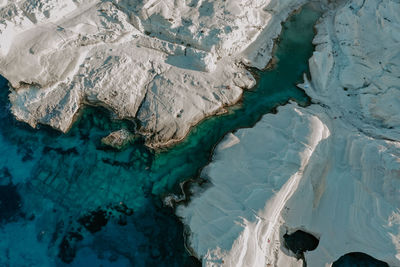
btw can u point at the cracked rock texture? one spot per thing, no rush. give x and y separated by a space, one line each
356 66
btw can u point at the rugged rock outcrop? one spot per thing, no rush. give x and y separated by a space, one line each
118 139
167 64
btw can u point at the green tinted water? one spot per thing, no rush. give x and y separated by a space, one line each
274 87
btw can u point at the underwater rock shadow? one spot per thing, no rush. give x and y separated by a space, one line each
10 203
147 237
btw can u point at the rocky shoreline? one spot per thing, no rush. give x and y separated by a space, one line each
330 170
333 167
151 62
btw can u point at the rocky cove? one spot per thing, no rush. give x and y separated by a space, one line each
329 169
64 177
82 203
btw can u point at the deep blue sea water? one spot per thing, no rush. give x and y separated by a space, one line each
66 200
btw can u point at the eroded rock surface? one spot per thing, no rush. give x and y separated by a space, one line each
118 139
332 168
356 66
299 168
168 64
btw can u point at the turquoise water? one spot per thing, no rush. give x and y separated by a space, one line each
73 201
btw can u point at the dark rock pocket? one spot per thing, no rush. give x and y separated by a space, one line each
358 259
300 242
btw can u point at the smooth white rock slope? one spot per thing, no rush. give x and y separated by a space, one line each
331 169
299 169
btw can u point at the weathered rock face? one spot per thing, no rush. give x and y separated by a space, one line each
167 63
356 66
331 169
230 221
299 169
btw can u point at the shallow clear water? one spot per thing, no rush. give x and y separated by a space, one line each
78 202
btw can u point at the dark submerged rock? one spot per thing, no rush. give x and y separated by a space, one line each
67 248
94 220
10 203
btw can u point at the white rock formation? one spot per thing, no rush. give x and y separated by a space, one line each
167 63
298 169
331 169
356 66
265 166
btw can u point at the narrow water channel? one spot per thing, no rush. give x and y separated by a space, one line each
81 204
